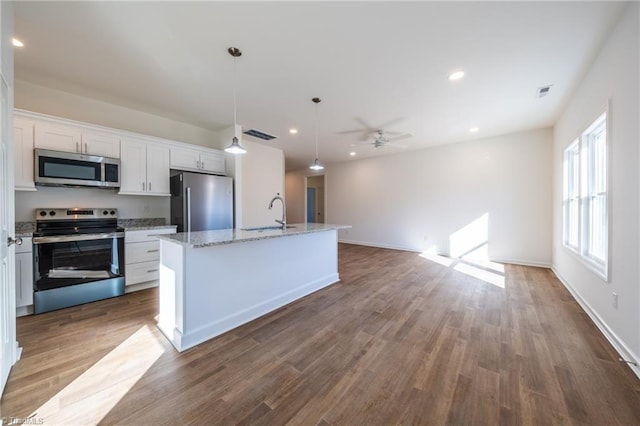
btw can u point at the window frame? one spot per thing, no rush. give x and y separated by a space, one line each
593 176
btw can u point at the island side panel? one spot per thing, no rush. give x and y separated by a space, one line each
232 284
171 292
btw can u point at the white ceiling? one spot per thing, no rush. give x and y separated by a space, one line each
370 62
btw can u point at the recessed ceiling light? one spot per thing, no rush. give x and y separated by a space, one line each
352 153
17 43
456 75
293 131
473 129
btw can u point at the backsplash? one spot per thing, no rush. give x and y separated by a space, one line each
129 206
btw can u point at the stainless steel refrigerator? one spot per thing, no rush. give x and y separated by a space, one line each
201 202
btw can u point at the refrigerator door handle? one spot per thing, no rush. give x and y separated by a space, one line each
188 209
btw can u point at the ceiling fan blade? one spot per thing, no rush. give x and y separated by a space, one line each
346 132
399 138
365 126
392 123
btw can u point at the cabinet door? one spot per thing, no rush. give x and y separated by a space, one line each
24 279
23 137
213 162
185 159
102 144
158 165
133 167
57 137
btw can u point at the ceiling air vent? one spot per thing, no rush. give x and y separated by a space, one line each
259 134
543 91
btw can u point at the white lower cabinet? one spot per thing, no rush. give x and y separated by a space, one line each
24 276
142 257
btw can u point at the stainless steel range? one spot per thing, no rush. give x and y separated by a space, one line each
78 257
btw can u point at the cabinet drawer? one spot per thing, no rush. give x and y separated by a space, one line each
142 252
146 235
141 272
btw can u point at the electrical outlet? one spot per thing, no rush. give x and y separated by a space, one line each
147 209
614 299
425 238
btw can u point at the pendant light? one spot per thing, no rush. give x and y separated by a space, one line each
234 147
316 165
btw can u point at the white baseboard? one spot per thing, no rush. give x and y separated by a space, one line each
185 341
416 250
534 263
141 286
384 246
610 335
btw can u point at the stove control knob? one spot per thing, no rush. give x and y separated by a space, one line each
112 212
105 212
43 213
52 213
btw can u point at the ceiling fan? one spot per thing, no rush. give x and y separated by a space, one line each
367 130
381 140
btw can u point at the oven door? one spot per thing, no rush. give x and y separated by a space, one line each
67 260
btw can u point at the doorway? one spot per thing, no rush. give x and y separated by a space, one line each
315 194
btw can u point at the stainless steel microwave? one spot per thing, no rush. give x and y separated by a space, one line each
57 168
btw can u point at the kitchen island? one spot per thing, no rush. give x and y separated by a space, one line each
214 281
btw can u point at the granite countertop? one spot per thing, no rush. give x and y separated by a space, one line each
149 227
26 229
203 239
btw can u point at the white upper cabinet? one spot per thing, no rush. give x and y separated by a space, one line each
23 138
198 160
213 162
144 168
103 144
60 137
185 158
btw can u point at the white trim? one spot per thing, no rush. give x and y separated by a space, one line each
384 246
534 263
522 262
609 334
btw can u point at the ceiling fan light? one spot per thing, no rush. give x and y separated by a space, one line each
235 148
316 165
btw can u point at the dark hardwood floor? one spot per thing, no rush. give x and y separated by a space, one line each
400 340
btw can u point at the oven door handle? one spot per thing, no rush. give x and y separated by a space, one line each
79 237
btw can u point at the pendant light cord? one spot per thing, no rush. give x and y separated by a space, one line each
316 131
235 107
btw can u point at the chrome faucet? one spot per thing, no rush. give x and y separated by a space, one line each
282 222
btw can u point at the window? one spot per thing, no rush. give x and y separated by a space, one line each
585 216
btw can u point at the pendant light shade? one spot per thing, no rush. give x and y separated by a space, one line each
234 147
316 165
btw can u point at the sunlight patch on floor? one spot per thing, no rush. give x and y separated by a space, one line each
93 394
469 248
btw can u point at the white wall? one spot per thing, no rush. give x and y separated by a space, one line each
128 206
258 177
46 100
613 79
420 199
296 194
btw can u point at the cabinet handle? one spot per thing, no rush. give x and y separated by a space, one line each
86 149
197 164
143 187
77 150
153 251
149 186
152 270
202 164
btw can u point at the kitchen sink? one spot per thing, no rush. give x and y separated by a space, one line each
267 228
